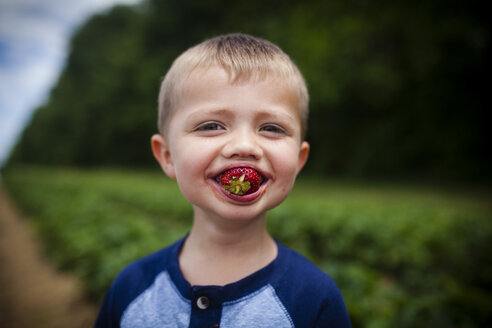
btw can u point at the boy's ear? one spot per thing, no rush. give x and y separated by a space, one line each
161 152
303 155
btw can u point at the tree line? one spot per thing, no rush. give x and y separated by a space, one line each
397 88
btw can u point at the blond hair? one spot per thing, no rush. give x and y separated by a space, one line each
243 57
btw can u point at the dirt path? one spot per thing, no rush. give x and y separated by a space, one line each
32 293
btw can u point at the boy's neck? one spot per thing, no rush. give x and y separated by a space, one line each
219 252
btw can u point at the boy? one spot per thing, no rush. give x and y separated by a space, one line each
232 120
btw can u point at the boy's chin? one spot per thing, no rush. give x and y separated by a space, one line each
226 212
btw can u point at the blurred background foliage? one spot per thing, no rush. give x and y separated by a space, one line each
403 255
397 88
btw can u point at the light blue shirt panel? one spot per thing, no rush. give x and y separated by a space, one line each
262 308
160 305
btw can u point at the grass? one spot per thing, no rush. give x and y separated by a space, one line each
403 255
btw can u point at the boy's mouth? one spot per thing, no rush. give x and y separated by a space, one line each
241 181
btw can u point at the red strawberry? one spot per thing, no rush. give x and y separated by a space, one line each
241 180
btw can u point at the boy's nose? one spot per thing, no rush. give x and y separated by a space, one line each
242 144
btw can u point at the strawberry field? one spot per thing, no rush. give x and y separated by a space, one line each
403 255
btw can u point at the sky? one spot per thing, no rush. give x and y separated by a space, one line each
34 37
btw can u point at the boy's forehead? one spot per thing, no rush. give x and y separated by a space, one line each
202 77
214 80
213 89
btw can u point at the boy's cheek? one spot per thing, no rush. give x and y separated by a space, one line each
284 159
192 163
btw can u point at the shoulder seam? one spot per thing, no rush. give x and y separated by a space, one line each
137 297
281 305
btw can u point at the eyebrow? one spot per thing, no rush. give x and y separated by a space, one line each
262 114
267 114
216 111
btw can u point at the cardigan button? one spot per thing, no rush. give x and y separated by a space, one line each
202 302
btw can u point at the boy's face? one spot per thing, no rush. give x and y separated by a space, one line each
217 126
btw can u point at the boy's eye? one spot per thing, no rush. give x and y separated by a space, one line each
209 126
272 128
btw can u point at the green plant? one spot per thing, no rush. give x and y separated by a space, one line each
403 256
